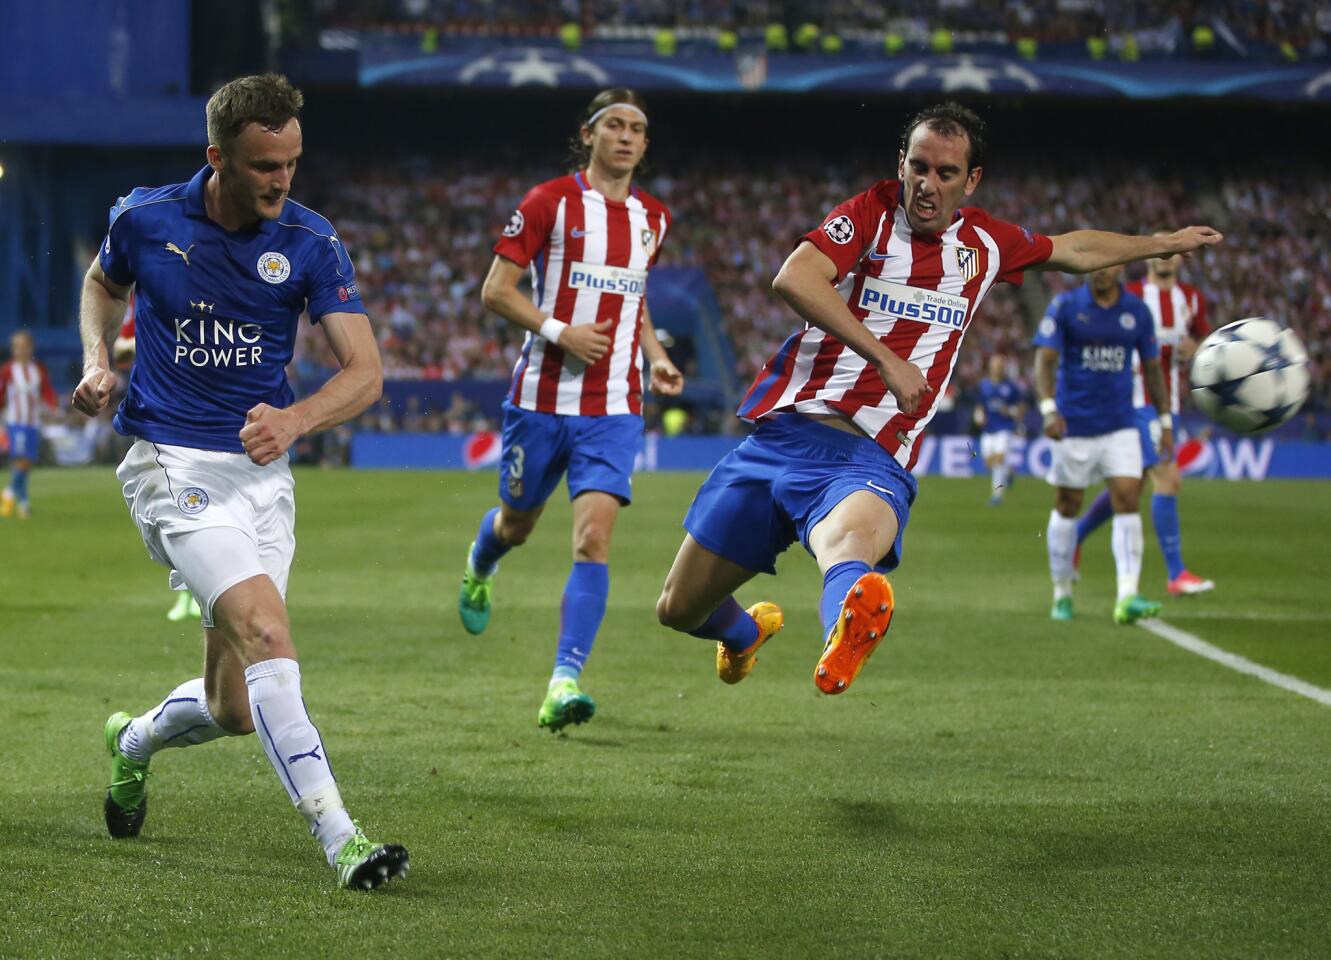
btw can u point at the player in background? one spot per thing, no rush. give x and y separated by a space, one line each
887 287
998 413
223 267
185 607
1180 323
25 388
1083 377
575 406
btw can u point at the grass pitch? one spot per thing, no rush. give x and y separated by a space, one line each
994 785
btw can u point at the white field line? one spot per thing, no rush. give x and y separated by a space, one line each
1249 615
1197 645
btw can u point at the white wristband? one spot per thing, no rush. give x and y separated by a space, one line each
1048 407
552 328
1166 422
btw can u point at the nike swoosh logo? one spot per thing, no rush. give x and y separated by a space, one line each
578 234
883 490
875 255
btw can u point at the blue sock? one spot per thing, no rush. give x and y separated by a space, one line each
18 482
836 584
730 624
580 616
1096 517
489 548
1164 514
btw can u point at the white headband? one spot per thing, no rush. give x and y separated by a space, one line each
627 106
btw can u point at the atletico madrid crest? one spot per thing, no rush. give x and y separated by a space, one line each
968 262
649 240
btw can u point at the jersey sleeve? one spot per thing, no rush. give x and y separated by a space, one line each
667 221
847 230
1018 250
115 256
528 230
4 384
332 281
1049 332
1148 348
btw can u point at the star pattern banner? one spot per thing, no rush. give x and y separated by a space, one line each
399 61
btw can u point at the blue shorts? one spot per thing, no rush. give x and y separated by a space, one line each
596 452
25 441
776 486
1150 434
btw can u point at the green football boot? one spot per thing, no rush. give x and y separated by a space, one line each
1062 609
185 608
127 798
474 597
565 704
1134 608
364 865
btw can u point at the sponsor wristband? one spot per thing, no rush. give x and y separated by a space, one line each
1166 422
1048 407
552 328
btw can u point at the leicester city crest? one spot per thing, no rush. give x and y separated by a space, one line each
968 262
192 501
274 267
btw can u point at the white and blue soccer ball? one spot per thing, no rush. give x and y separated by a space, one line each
1250 375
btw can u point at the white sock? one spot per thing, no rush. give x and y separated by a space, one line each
1127 543
1062 540
296 750
997 480
181 720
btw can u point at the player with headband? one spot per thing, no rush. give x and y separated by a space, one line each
575 405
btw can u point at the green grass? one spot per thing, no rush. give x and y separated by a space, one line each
995 785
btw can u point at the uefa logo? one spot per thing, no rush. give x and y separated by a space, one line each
274 267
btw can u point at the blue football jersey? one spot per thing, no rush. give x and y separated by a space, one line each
997 398
216 311
1095 346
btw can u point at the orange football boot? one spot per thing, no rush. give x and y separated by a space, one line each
733 667
866 613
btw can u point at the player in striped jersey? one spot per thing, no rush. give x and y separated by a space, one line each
1180 322
575 406
887 287
24 389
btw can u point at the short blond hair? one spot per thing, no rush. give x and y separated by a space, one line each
267 99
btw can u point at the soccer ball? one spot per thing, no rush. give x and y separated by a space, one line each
1250 375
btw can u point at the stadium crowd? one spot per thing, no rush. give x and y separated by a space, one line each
422 235
1155 25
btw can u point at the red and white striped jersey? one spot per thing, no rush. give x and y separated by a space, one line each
916 293
1179 311
23 386
589 257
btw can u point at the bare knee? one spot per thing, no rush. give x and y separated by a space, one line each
514 528
1067 502
261 637
673 612
591 543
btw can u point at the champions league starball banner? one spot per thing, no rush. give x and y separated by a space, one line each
1222 458
396 59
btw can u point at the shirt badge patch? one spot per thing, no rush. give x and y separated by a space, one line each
968 262
192 501
840 229
1127 321
274 267
515 224
649 240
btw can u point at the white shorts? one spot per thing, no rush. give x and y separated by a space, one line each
188 505
1080 462
995 444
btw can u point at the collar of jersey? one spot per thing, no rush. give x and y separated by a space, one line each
195 207
580 178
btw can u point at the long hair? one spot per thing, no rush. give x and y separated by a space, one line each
580 154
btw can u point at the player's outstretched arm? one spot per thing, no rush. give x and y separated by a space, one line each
100 310
805 282
1082 251
1046 377
500 294
270 431
666 379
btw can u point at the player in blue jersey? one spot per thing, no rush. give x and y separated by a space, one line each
1083 375
224 266
998 413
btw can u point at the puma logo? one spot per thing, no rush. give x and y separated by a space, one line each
184 254
309 753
